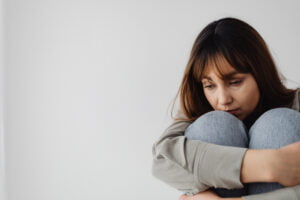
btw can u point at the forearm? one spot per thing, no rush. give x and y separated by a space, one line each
193 165
257 166
272 165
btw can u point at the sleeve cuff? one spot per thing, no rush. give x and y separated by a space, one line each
220 166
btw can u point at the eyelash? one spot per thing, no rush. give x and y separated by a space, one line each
209 87
237 82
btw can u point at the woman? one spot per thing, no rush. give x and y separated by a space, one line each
236 132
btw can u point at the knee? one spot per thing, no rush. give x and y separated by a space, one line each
279 117
281 113
214 119
218 127
275 128
217 116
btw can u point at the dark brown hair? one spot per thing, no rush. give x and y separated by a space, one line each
246 51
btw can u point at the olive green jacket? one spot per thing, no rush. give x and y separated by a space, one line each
193 166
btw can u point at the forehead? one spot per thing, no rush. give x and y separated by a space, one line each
218 66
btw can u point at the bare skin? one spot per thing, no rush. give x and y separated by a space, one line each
286 165
238 94
271 165
231 91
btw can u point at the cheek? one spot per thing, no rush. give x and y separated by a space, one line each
251 97
211 100
255 97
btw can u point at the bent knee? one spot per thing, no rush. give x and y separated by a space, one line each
218 127
219 117
280 117
275 128
213 119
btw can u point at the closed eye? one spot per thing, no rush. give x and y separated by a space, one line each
208 86
236 82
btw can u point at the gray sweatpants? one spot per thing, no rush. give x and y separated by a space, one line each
273 129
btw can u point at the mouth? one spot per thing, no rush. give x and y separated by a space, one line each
233 111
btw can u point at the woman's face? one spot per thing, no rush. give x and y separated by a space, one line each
233 92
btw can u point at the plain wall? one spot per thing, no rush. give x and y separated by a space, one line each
88 85
2 154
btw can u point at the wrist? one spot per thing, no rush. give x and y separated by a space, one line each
257 166
273 161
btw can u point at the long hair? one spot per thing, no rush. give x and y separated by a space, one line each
246 51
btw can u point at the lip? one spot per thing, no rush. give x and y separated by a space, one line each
233 111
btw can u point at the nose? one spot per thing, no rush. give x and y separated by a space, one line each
225 97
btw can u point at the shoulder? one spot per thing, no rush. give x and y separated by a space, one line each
180 115
296 102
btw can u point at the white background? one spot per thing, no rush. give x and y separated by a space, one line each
87 86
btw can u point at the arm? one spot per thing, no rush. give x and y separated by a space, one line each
272 165
193 166
285 170
257 165
285 162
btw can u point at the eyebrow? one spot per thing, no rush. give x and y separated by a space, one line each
224 77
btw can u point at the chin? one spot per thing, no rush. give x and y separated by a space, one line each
241 117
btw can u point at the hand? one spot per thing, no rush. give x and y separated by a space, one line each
286 170
206 195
